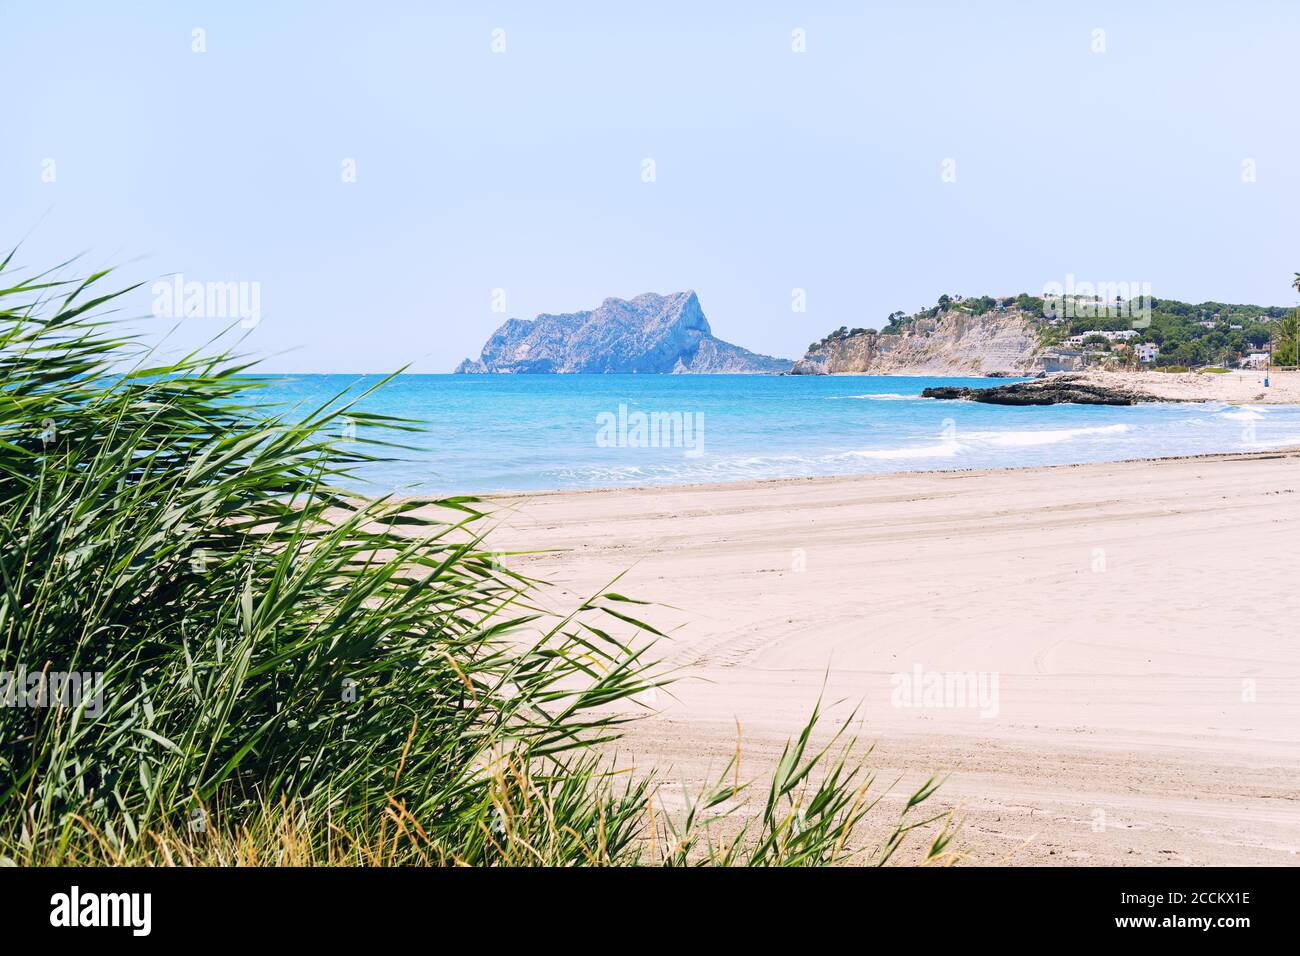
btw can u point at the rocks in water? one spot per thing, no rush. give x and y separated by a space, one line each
947 391
1055 390
651 333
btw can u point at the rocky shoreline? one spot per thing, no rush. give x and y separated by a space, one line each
1055 390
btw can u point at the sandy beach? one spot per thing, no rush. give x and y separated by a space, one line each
1137 625
1237 387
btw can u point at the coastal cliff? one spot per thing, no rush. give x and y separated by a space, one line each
950 344
650 333
1025 335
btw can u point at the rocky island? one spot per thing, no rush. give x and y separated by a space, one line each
649 334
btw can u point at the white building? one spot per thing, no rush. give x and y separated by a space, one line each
1255 360
1121 336
1147 351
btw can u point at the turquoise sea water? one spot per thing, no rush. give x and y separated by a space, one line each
499 433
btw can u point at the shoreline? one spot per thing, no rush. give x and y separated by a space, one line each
1233 387
752 483
548 476
1138 616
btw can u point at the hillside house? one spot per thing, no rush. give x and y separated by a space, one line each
1147 351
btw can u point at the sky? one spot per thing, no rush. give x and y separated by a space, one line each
393 180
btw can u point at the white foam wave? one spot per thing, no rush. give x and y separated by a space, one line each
1242 414
946 449
1019 439
1263 444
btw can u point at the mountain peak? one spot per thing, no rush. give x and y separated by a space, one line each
648 333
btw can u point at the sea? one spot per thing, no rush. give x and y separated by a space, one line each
490 433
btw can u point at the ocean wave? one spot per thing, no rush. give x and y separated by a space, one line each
1266 443
1243 414
763 460
945 449
1054 436
887 397
689 471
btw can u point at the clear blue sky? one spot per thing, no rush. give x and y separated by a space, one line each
522 170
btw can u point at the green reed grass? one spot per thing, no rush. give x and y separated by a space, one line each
294 674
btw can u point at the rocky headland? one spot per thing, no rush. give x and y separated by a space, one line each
650 333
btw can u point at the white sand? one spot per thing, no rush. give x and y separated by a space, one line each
1142 618
1238 387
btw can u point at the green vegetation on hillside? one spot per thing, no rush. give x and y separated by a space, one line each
1207 333
839 335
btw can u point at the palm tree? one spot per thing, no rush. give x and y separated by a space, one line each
1287 336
